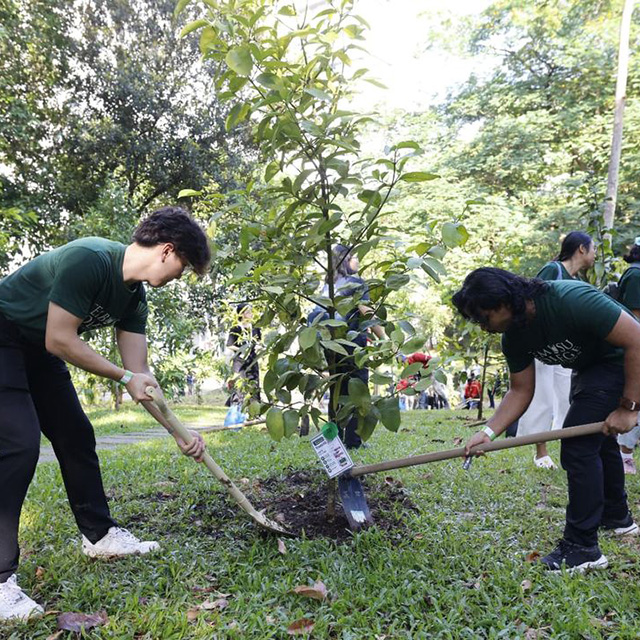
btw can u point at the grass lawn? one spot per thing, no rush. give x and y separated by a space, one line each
131 419
457 569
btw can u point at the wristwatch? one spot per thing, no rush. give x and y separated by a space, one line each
630 405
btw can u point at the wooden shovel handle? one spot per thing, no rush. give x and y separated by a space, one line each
505 443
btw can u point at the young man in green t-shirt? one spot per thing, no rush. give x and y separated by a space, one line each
572 324
44 306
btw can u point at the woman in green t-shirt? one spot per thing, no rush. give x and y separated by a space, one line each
551 398
629 295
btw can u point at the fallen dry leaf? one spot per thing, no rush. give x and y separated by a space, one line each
40 573
300 627
271 620
203 589
418 536
56 635
193 613
212 605
281 547
526 585
318 591
280 518
81 621
533 556
456 441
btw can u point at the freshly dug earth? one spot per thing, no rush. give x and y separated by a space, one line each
299 501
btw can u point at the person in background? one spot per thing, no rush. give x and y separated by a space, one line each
472 392
44 307
347 282
570 323
241 349
629 296
551 398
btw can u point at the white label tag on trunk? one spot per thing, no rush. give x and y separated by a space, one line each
332 454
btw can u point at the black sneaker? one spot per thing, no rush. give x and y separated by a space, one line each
574 557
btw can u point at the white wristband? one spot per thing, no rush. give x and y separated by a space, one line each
126 377
491 433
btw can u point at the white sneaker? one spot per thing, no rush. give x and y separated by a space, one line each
629 466
544 463
15 604
118 542
630 530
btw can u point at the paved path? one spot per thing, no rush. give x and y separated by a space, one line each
113 441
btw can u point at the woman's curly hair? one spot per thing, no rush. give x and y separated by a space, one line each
489 288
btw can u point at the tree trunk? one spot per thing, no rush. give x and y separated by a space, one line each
621 96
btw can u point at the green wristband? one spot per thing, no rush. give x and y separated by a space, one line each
491 433
126 378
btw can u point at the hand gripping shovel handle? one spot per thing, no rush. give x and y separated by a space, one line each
505 443
175 426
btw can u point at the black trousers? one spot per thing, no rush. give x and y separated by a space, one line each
593 464
347 428
36 395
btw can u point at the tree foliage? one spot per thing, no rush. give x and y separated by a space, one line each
288 74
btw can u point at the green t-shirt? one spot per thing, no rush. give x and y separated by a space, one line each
629 288
83 277
554 271
571 323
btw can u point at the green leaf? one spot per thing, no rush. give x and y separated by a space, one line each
208 39
239 60
275 289
269 80
275 423
422 384
412 345
290 419
407 327
307 337
189 193
270 381
180 7
389 413
236 115
437 252
270 171
411 369
287 10
359 393
192 26
332 322
397 281
332 345
242 269
317 93
381 378
440 376
454 234
418 176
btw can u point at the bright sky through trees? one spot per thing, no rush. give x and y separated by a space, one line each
401 56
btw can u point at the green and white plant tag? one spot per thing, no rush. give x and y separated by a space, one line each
332 453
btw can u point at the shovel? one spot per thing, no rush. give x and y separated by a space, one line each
173 425
354 501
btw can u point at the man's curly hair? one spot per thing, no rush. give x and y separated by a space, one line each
175 225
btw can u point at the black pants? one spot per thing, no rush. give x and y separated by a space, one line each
347 428
593 463
36 394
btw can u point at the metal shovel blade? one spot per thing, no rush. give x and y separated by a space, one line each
354 502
